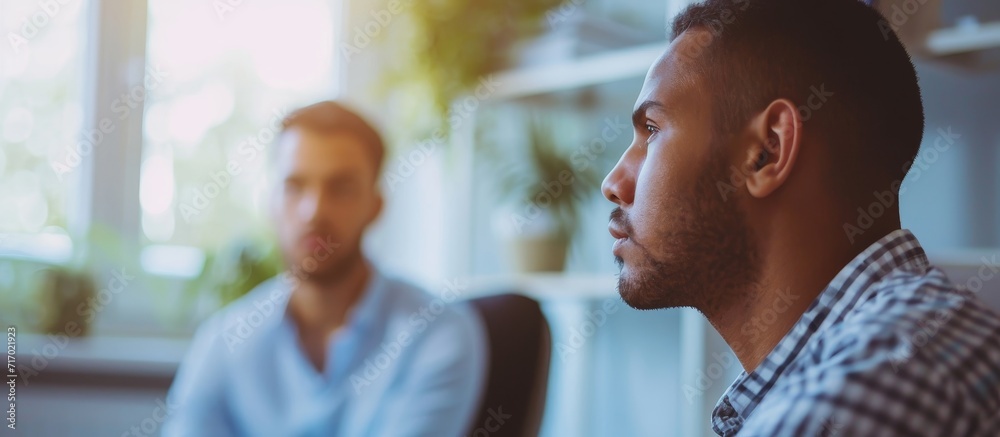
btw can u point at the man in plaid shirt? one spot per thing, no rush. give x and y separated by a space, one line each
772 139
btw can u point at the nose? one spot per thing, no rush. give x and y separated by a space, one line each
619 185
309 206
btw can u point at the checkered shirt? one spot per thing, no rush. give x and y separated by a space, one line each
889 348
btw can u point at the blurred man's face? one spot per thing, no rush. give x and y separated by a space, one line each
326 195
677 241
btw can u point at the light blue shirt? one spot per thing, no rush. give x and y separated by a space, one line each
405 363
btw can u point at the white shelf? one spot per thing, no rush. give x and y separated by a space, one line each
548 286
967 257
955 40
591 70
148 356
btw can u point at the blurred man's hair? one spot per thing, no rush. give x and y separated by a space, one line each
762 50
330 117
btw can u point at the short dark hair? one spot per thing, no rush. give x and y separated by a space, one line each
762 50
334 117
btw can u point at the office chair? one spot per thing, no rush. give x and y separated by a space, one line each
518 368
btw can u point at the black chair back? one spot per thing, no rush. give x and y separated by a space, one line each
520 350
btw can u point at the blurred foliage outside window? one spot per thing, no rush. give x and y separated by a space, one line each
40 114
225 79
231 76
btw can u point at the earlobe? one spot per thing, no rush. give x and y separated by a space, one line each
777 134
379 204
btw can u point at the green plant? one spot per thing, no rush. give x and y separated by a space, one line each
548 179
234 270
450 45
63 292
48 296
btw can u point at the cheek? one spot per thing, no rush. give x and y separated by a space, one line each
653 188
348 214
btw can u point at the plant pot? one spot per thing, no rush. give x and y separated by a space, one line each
543 253
533 239
62 294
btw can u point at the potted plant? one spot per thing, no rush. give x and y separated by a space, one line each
64 290
67 293
543 195
234 270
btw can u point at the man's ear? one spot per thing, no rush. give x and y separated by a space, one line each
377 208
274 199
776 137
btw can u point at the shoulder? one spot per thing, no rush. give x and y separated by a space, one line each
914 346
441 320
445 305
237 323
917 316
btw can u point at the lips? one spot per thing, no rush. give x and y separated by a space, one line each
618 224
620 238
616 231
311 241
619 228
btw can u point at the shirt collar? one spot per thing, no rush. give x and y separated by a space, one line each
898 249
366 310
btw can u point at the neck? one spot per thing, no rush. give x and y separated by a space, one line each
319 308
801 253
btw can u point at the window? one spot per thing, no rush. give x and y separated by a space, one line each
178 174
230 74
41 146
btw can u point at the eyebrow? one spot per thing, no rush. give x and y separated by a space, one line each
640 112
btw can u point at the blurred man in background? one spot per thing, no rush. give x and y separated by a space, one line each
333 347
762 187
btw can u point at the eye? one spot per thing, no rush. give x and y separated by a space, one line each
343 189
652 129
293 187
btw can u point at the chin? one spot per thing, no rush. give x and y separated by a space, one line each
653 288
638 302
634 291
